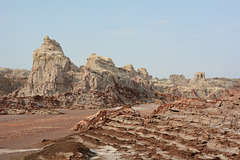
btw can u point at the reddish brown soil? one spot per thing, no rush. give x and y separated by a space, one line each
28 131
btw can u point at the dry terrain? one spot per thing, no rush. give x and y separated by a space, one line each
27 131
22 132
185 129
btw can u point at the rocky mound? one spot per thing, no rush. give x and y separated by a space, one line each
12 79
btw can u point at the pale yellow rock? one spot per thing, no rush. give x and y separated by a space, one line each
49 74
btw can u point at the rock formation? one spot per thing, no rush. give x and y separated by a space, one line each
100 83
12 79
51 72
199 86
97 84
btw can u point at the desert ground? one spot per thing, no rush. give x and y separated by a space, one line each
23 134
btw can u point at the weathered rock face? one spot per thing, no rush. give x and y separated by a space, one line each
12 79
51 72
193 88
101 83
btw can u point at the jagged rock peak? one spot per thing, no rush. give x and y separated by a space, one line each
52 72
50 44
48 50
129 68
97 62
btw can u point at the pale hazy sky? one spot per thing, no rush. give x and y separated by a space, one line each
164 36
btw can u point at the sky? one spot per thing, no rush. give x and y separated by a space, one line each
164 36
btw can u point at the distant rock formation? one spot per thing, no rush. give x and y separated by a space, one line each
12 79
199 86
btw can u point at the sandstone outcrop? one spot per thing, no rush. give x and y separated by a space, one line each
12 79
51 72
